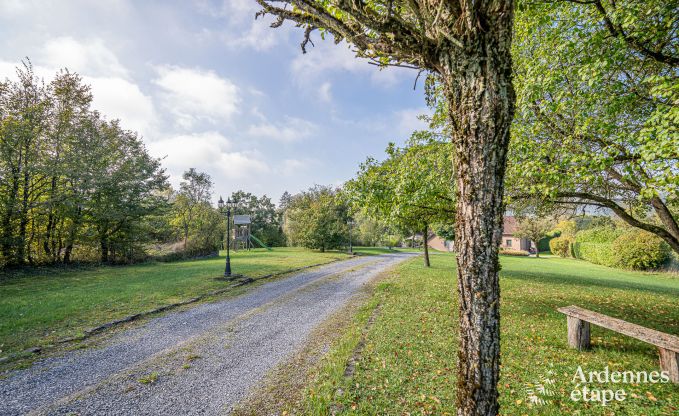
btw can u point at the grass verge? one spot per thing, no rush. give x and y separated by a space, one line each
40 307
407 364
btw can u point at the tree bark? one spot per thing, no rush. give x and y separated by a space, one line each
425 240
103 242
481 105
23 218
7 228
72 235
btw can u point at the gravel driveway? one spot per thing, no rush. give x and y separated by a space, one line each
199 361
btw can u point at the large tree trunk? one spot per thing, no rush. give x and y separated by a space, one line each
103 242
481 104
426 245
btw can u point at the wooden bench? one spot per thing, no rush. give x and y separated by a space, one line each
578 335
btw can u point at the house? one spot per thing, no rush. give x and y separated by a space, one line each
440 244
509 241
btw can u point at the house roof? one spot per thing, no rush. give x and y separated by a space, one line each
509 226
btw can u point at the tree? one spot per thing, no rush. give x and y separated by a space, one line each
369 232
194 192
534 229
127 188
24 110
285 201
317 219
466 45
411 189
597 115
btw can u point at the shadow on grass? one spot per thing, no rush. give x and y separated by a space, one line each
588 282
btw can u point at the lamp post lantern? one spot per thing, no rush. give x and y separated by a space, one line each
226 207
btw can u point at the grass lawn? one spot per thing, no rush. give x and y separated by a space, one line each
40 307
407 365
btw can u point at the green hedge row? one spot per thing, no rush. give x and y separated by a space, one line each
561 246
630 249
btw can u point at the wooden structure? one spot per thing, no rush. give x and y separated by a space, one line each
579 320
241 230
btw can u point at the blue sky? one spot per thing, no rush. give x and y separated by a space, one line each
209 87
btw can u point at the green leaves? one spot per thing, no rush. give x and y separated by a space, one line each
595 113
412 187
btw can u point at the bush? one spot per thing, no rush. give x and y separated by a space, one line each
511 252
640 250
561 246
544 244
596 245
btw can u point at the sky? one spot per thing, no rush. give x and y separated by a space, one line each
208 86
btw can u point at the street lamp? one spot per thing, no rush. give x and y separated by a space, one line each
350 223
222 208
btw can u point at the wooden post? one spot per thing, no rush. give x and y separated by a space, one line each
669 361
578 333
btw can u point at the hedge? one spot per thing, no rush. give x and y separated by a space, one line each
512 252
596 245
640 250
629 249
561 246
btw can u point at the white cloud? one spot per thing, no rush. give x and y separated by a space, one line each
327 57
193 95
90 57
293 129
239 27
122 99
115 95
325 93
209 152
259 37
407 120
235 10
290 167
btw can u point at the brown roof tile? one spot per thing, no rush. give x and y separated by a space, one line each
509 226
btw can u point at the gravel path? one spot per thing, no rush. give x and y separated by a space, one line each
199 361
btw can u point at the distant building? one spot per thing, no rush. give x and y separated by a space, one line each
509 240
438 243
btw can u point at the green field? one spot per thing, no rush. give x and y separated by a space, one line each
408 363
39 307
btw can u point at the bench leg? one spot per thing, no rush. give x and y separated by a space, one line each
669 361
578 333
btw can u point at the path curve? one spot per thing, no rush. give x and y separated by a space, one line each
200 361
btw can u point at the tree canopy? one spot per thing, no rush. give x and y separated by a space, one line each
597 119
317 218
411 189
70 181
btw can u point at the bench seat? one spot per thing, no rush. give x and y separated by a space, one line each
579 335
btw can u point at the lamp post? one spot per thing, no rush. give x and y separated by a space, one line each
222 208
350 223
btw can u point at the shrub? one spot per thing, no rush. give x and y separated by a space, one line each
640 250
561 246
596 245
511 252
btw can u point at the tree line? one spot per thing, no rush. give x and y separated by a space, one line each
71 183
76 187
